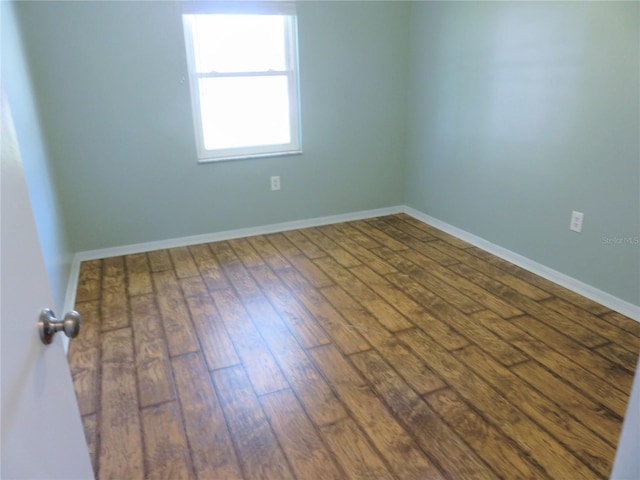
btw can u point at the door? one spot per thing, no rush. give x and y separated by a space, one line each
627 462
42 435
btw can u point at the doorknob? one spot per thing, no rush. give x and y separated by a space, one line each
48 325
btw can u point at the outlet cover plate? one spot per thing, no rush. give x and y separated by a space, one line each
576 221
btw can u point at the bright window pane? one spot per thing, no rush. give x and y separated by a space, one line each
244 111
239 43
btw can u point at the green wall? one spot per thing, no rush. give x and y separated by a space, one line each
521 112
499 118
36 161
119 121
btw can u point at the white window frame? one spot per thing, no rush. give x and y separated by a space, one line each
286 9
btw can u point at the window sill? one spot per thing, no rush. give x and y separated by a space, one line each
249 156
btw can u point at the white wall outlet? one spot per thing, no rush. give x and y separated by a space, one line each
576 221
275 182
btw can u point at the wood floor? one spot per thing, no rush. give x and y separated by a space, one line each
367 350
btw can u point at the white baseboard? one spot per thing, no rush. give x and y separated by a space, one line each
604 298
79 257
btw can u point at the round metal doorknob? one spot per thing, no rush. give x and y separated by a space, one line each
48 325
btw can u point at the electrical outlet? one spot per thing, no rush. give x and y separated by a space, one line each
275 182
576 221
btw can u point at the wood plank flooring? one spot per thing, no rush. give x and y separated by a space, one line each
373 349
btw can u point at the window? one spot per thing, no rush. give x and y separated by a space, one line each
243 75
